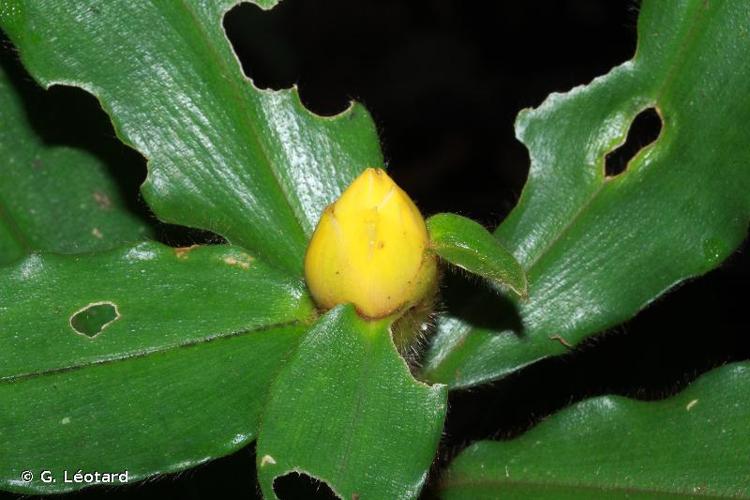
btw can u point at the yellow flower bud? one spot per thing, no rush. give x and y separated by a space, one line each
371 248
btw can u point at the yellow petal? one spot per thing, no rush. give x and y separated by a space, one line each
370 248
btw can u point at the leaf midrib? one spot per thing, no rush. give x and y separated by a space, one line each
10 379
567 486
356 415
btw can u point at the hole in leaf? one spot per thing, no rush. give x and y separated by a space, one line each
94 318
296 42
644 130
297 485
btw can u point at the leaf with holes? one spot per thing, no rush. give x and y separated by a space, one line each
254 166
135 350
346 410
694 443
40 208
597 248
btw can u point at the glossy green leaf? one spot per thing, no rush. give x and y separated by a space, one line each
597 249
694 443
346 410
466 244
254 166
177 377
53 197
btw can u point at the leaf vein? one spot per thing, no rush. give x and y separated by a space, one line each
10 379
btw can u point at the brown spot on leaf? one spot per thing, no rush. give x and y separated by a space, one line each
561 340
101 199
242 260
182 252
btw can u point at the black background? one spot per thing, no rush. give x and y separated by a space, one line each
444 80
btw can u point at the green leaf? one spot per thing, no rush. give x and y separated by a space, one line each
694 443
254 166
466 244
597 249
53 197
346 410
177 376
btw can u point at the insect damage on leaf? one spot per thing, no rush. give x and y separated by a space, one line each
242 261
644 131
92 319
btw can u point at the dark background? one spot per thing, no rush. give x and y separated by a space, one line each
444 80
